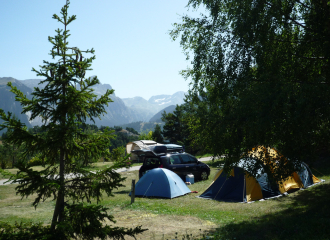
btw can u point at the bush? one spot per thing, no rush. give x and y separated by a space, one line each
36 161
117 154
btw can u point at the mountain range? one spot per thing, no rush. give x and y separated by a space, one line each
154 104
119 112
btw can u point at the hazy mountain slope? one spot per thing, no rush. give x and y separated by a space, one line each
140 105
141 126
117 112
157 117
166 100
7 99
154 104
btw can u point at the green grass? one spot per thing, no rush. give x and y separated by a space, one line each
14 171
300 215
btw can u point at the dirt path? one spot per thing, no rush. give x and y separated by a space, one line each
135 168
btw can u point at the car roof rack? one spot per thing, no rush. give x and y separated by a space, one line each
158 150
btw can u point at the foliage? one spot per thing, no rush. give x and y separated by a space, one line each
64 105
146 136
157 134
37 160
117 154
132 130
142 126
173 129
120 140
260 76
117 128
299 215
4 157
177 129
23 231
10 153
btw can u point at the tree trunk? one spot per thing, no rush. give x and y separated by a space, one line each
58 215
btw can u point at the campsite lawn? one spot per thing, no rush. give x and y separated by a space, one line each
300 215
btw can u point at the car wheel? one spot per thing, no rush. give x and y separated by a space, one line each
204 176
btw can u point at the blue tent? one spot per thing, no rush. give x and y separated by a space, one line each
161 182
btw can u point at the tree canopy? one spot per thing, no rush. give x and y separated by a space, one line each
157 134
259 76
64 104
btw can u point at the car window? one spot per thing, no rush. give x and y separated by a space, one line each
175 160
192 160
187 159
152 161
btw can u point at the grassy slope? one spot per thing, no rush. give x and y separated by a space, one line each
300 215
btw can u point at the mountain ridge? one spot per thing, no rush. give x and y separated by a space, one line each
119 112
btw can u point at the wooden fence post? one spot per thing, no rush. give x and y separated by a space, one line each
133 191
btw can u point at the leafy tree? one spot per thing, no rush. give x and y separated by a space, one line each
120 140
173 128
117 128
4 157
132 130
146 136
177 128
157 134
260 76
64 104
118 153
10 153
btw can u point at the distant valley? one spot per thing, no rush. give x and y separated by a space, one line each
120 112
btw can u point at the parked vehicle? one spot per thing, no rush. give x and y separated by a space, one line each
180 163
132 147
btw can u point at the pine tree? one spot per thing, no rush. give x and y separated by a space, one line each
157 134
64 104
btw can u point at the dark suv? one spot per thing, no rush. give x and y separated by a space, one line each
180 163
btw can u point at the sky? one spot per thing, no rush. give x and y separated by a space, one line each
134 52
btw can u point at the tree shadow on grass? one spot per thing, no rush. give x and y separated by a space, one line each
306 217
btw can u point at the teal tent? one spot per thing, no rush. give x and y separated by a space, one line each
162 183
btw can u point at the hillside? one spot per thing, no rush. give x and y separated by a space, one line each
154 105
157 117
141 126
117 112
121 112
7 99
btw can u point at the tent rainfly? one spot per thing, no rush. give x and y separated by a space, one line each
241 186
162 183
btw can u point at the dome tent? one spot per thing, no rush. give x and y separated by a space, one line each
161 182
241 186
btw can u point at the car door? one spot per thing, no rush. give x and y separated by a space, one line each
175 165
190 164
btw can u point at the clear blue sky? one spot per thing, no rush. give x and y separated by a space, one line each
134 53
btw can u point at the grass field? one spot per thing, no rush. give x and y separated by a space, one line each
300 215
